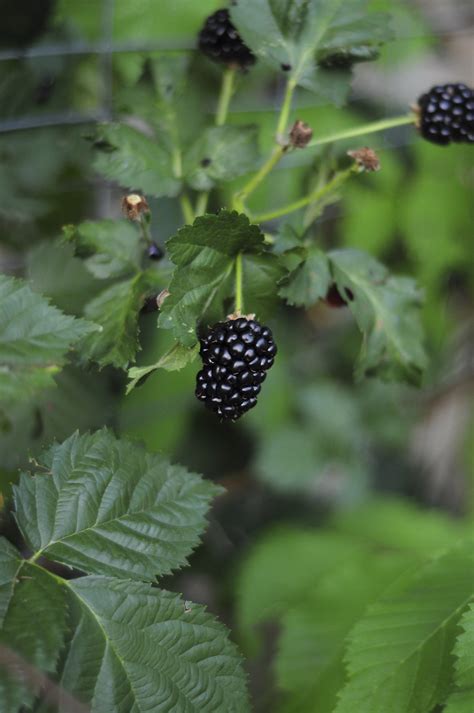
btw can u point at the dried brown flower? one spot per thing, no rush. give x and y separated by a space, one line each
134 206
365 158
300 134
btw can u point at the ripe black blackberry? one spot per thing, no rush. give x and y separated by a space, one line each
236 355
221 42
446 113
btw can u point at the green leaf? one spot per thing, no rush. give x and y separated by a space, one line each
204 255
300 33
134 161
309 282
32 635
221 154
116 309
460 701
34 339
387 311
10 563
261 275
138 648
111 248
175 359
398 655
107 506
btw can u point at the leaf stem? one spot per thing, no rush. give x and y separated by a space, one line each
239 300
314 196
275 156
370 128
227 90
285 108
187 208
145 219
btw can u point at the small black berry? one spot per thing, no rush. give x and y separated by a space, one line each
155 252
221 42
236 355
446 113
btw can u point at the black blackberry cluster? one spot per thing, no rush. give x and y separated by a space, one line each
221 42
447 114
236 356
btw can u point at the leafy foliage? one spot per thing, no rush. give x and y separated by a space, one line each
175 359
204 255
299 34
460 701
398 655
159 652
309 281
99 495
34 339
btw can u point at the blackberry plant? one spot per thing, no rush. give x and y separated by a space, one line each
216 257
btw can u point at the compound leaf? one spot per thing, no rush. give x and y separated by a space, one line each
309 281
34 339
139 649
298 34
399 653
204 254
104 505
387 311
134 160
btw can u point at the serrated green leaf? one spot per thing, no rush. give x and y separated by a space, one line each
299 33
461 700
204 255
134 160
399 654
221 154
309 282
261 275
139 649
32 634
108 506
175 359
387 311
34 339
110 248
116 310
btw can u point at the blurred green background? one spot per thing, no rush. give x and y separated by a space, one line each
323 464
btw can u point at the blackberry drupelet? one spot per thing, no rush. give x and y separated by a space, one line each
447 114
236 355
221 42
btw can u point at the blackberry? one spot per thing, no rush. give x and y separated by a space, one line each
221 42
236 355
155 252
447 114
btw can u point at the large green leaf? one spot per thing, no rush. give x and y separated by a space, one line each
34 339
10 563
138 649
387 311
298 34
221 154
134 160
116 309
461 700
107 506
32 635
399 654
110 248
204 254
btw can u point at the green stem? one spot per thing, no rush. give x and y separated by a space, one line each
145 227
239 300
187 208
227 90
277 153
285 108
201 203
371 128
314 196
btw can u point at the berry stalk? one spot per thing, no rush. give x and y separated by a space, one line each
227 90
371 128
239 298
